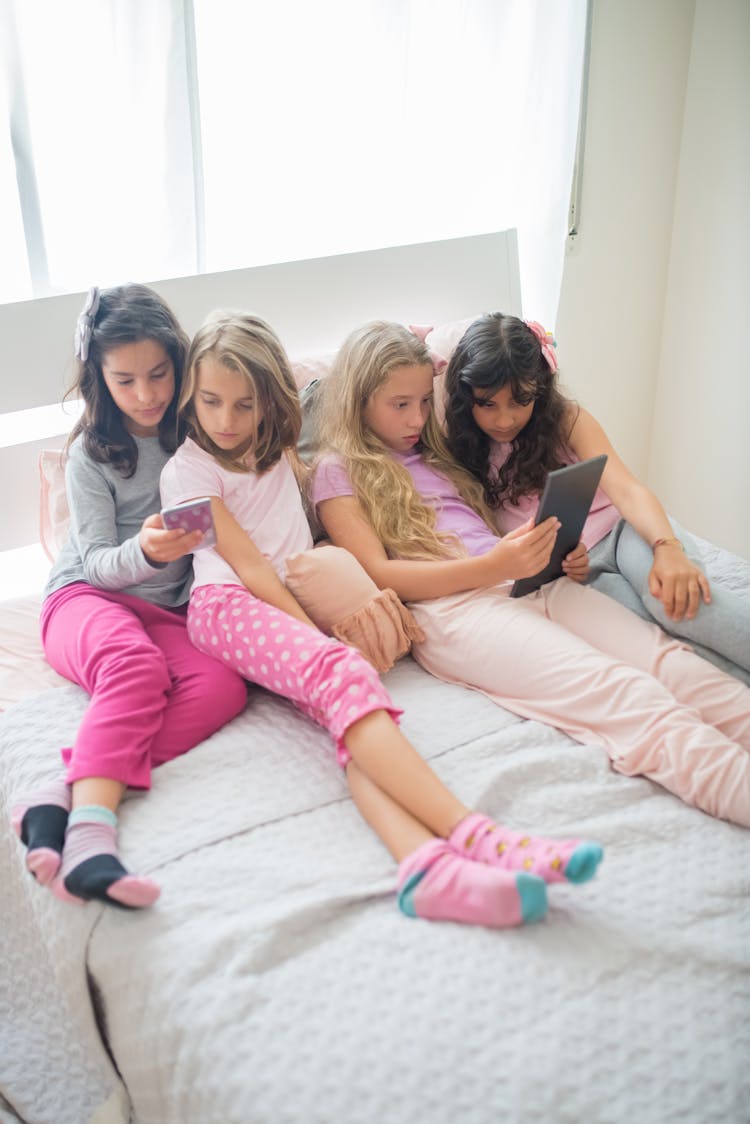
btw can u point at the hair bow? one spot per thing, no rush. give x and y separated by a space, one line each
547 341
421 331
85 324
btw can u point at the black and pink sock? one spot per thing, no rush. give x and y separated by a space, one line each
91 868
40 822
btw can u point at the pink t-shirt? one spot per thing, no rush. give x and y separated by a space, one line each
453 515
601 518
268 507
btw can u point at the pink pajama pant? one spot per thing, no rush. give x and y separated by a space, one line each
327 680
153 696
576 659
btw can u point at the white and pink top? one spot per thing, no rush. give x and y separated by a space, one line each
601 518
267 507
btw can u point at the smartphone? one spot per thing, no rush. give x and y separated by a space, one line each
568 494
195 515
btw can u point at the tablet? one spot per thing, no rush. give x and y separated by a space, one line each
568 494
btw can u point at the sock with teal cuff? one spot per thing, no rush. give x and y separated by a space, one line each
437 884
479 838
91 868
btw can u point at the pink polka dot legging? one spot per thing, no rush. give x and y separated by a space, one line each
329 681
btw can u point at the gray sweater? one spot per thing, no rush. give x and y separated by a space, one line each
106 514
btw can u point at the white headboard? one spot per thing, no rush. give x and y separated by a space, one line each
311 304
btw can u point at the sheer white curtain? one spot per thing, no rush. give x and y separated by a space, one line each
99 133
157 138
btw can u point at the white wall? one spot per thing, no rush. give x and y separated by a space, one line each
653 319
611 303
700 452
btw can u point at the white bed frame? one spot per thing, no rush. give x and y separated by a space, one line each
311 304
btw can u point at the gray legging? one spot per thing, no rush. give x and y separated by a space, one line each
720 632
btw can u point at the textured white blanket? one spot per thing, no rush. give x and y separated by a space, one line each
276 981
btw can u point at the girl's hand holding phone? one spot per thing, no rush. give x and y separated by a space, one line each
161 545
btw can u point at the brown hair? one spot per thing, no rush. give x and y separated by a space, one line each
244 343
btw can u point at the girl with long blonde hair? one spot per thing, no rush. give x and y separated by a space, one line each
388 491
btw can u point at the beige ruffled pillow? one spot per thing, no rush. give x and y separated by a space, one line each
343 601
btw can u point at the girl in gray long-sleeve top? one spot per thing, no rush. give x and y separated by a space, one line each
113 618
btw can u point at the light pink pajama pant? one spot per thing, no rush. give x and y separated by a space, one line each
153 695
575 659
327 680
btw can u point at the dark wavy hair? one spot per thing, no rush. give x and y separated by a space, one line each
126 314
497 351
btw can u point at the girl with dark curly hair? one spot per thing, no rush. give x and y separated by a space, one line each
510 424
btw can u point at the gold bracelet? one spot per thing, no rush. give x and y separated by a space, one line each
668 542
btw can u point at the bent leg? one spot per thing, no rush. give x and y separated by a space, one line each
536 667
719 632
153 696
204 694
720 700
94 639
329 681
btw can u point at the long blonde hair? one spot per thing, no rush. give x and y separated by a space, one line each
244 343
404 523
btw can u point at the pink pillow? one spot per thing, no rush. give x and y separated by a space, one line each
54 516
444 338
23 669
343 601
442 343
312 367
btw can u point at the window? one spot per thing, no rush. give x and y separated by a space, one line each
146 139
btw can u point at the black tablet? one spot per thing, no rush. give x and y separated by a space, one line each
568 494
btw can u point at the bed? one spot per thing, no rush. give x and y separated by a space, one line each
276 981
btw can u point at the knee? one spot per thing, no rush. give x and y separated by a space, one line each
228 692
141 664
343 663
232 692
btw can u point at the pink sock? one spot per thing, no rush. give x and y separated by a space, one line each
437 884
91 868
555 860
39 822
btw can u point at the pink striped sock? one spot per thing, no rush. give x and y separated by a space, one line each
39 821
555 860
91 868
436 883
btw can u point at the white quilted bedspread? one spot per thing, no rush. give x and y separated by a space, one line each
276 981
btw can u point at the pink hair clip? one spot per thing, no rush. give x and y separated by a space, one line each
547 342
